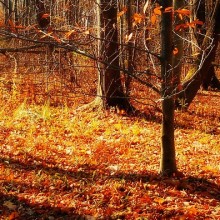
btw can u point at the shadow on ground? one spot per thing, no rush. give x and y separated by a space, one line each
12 191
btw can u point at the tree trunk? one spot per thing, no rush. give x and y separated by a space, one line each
16 11
8 11
168 161
110 88
130 49
178 44
43 18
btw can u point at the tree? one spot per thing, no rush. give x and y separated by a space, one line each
110 90
168 161
8 10
207 48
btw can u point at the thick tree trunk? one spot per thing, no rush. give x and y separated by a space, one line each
168 161
110 88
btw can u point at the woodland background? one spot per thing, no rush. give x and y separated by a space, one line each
63 155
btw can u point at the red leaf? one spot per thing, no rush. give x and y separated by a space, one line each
45 16
168 9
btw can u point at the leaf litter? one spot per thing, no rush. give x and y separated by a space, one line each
56 164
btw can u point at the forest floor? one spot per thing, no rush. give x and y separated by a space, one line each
57 163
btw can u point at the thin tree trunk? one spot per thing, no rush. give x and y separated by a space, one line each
178 44
16 11
168 161
130 50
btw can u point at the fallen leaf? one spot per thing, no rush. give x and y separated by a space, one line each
13 215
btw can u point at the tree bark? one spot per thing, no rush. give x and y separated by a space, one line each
43 18
168 161
178 44
130 51
110 88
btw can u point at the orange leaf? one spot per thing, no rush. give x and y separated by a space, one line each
138 18
145 199
182 26
175 51
198 22
157 10
192 210
153 19
168 9
183 11
20 27
2 24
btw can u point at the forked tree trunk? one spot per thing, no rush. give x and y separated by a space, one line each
168 161
205 58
